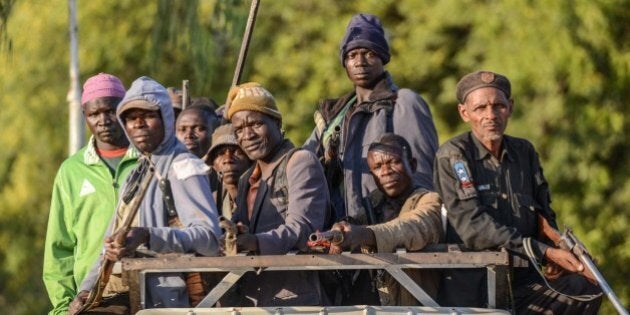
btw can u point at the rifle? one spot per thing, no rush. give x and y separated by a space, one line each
320 241
130 203
568 241
571 243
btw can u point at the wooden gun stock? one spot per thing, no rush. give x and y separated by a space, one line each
230 233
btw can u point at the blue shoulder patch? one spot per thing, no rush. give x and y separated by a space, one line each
462 174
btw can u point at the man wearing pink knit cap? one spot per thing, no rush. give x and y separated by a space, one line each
85 193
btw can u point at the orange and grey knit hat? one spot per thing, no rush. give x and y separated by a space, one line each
252 96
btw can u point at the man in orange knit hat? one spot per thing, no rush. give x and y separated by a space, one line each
282 199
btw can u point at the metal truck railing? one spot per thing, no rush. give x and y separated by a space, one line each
497 265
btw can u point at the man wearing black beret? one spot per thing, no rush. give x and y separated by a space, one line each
496 196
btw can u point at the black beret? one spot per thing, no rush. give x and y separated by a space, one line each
480 79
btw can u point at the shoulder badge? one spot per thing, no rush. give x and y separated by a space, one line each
461 170
190 167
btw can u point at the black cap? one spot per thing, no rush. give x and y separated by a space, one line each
393 143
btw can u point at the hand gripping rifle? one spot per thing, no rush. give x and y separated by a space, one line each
130 203
568 241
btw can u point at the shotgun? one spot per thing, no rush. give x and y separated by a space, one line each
571 243
568 241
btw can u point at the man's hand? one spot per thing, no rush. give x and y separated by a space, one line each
78 302
136 237
241 228
354 236
564 259
553 271
567 261
247 242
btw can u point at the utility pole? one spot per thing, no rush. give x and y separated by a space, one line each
76 126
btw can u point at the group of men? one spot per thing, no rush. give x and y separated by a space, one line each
371 169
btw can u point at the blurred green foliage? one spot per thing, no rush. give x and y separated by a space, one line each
568 60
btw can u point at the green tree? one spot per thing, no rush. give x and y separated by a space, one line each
127 38
568 61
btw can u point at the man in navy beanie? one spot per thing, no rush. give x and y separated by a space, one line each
346 126
375 106
365 31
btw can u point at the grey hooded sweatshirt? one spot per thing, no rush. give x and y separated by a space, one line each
193 201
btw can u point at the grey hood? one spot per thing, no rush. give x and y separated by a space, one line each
147 89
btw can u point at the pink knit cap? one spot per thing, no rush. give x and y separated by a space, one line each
102 85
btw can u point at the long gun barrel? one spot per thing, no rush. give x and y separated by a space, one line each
568 241
571 243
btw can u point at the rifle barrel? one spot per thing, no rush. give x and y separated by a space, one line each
603 284
579 250
334 237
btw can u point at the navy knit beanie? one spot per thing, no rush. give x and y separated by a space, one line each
365 31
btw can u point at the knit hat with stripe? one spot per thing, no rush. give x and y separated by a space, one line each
252 96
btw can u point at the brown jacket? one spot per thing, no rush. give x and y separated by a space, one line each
418 224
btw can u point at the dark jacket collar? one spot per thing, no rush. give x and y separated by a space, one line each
282 149
384 89
482 153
